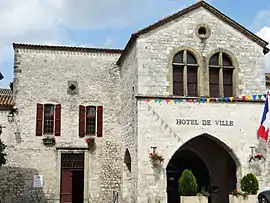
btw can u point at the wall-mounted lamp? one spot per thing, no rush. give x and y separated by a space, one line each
252 150
154 149
10 117
11 114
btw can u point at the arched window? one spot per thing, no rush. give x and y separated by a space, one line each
220 75
127 160
185 72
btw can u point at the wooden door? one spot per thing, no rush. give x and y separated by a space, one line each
66 186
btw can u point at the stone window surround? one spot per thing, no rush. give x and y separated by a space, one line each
203 70
46 103
59 152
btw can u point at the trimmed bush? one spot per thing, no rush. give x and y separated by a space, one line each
249 184
187 184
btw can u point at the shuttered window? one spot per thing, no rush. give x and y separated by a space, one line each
220 66
90 120
185 74
48 119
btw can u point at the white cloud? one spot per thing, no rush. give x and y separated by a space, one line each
264 33
48 21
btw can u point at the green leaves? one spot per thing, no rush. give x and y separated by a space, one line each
2 154
187 184
249 184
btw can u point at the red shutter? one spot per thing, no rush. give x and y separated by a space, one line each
99 121
82 121
39 118
57 130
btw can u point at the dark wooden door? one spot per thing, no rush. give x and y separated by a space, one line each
72 178
66 186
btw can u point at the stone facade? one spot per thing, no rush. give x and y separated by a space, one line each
132 124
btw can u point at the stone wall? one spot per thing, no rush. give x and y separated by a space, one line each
43 76
156 49
128 121
157 127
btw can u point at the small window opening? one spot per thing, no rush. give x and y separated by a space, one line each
202 31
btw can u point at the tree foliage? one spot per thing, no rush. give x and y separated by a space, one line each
188 184
249 184
2 154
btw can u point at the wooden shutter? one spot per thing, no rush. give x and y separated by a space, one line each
178 80
81 121
214 82
192 81
99 121
57 131
228 82
39 119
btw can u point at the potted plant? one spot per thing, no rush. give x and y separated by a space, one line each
90 141
249 187
188 189
156 158
256 157
48 141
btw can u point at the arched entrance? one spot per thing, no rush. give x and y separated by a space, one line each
212 163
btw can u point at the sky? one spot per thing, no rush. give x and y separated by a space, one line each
104 23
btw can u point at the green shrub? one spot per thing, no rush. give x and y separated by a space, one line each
249 184
187 184
2 154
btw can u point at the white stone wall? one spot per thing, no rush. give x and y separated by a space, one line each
156 48
128 121
42 76
157 127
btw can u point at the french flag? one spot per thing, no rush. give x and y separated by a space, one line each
265 123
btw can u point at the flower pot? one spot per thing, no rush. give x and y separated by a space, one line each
241 199
48 141
193 199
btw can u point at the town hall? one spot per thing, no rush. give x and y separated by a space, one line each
80 123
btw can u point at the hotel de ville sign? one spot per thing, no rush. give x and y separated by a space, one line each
186 122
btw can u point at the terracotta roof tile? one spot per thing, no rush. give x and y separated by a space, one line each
6 98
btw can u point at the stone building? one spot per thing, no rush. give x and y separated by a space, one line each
189 87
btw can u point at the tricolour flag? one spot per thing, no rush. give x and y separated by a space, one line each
264 126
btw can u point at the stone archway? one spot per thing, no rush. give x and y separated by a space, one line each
126 186
213 164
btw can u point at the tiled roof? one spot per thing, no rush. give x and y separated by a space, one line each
6 99
183 12
66 48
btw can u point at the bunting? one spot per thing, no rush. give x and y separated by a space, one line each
254 97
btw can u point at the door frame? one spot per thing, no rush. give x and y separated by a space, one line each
86 169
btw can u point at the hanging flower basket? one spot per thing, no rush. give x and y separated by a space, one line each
156 158
90 141
258 156
48 141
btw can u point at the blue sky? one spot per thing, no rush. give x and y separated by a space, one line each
103 23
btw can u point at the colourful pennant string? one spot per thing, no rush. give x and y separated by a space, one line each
252 97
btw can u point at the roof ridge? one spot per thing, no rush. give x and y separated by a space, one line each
186 10
66 48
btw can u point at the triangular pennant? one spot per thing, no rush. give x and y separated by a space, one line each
231 99
265 96
147 100
254 96
199 100
217 99
203 100
249 97
167 101
260 96
156 100
208 99
221 99
243 98
227 99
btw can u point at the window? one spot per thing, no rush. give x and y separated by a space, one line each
90 120
185 74
48 119
220 67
